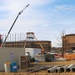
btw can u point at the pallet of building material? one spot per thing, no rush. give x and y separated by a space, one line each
40 58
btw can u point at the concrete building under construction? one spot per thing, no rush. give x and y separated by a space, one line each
68 42
30 42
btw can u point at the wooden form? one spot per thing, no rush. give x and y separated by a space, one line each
25 62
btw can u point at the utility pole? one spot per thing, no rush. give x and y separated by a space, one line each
3 44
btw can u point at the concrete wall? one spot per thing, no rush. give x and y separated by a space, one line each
5 56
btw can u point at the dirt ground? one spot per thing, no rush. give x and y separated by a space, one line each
41 73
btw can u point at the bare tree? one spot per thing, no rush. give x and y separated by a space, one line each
61 42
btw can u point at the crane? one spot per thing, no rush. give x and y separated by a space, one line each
3 44
32 37
39 44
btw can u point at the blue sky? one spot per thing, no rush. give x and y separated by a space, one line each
46 18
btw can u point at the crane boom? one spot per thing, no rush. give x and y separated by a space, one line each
13 24
39 43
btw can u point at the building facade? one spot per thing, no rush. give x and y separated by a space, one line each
68 42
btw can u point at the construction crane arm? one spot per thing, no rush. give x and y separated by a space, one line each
13 25
39 44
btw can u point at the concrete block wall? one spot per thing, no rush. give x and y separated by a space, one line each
5 56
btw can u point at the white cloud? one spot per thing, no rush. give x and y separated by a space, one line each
16 5
65 7
45 24
29 17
